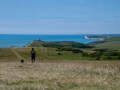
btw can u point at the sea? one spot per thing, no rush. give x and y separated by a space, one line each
19 40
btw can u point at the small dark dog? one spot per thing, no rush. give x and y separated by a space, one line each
22 61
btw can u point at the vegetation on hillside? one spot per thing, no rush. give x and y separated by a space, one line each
59 44
108 43
74 49
64 51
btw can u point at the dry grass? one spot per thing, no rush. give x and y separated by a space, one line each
62 75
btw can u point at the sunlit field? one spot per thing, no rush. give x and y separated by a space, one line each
54 72
60 75
59 44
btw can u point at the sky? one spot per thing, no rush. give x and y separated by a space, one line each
59 16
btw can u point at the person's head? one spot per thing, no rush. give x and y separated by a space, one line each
33 49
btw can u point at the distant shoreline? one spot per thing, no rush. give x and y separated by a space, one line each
15 40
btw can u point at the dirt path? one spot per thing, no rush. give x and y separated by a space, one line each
17 54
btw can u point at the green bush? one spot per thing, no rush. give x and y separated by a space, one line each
84 54
77 51
59 53
64 49
112 53
79 45
52 45
101 50
95 54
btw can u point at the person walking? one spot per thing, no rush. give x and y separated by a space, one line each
33 55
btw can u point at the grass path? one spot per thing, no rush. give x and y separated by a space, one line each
17 54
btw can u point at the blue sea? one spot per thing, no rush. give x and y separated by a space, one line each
8 40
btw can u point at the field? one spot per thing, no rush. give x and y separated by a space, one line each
60 75
6 53
54 72
110 43
42 54
57 69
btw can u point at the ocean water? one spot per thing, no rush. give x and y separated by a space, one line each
8 40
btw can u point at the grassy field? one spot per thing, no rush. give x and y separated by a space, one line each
42 54
6 53
115 45
58 70
60 75
110 43
55 72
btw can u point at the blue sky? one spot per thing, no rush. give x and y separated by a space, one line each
59 16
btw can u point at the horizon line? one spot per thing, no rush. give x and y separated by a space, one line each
61 34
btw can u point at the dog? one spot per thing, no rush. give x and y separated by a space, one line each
22 61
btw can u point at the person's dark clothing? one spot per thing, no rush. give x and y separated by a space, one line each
33 55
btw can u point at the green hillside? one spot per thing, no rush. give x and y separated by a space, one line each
58 44
110 43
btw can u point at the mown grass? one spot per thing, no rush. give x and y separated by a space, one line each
62 75
115 45
7 53
110 43
113 38
24 52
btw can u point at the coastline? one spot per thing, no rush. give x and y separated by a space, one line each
14 40
24 40
29 44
